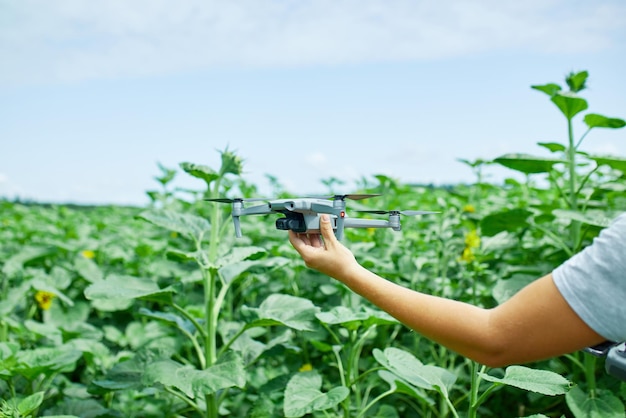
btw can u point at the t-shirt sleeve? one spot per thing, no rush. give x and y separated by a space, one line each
593 282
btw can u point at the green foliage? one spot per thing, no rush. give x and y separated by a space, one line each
159 311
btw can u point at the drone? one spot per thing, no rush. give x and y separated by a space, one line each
302 215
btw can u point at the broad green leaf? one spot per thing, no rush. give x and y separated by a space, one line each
598 219
593 120
14 296
550 89
303 395
613 162
528 164
124 374
193 382
408 368
238 254
294 312
116 287
88 269
27 405
202 172
603 405
504 289
79 408
404 365
569 103
533 380
400 385
16 262
170 318
7 358
353 319
187 224
507 220
32 363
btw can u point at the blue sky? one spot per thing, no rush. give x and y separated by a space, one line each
93 95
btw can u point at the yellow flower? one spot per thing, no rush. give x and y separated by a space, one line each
472 240
469 208
44 299
468 255
306 367
88 253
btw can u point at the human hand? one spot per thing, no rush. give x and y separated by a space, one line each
323 252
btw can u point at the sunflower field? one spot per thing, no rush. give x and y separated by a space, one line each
160 311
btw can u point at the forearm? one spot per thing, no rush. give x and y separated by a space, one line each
535 324
461 327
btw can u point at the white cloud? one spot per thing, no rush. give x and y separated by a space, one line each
70 40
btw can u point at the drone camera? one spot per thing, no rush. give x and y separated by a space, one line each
293 221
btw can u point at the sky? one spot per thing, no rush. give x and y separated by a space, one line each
94 95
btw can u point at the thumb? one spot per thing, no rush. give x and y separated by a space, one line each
326 228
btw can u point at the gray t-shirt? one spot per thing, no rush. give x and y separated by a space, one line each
593 282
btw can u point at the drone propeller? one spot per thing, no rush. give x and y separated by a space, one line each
398 212
353 196
237 199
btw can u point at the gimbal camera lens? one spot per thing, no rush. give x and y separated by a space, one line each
293 224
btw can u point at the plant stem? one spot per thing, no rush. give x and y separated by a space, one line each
209 278
573 195
590 374
475 383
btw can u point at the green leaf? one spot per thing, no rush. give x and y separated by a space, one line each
539 381
507 220
231 163
594 120
170 318
88 269
576 81
597 219
603 404
27 405
116 287
528 164
504 289
553 146
237 254
196 383
550 89
569 104
614 162
303 395
32 363
187 224
291 311
202 172
354 318
16 262
407 367
400 385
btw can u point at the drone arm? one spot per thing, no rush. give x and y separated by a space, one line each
365 223
255 210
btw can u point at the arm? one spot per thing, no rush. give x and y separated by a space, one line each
535 324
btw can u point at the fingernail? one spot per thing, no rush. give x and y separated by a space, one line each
325 218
